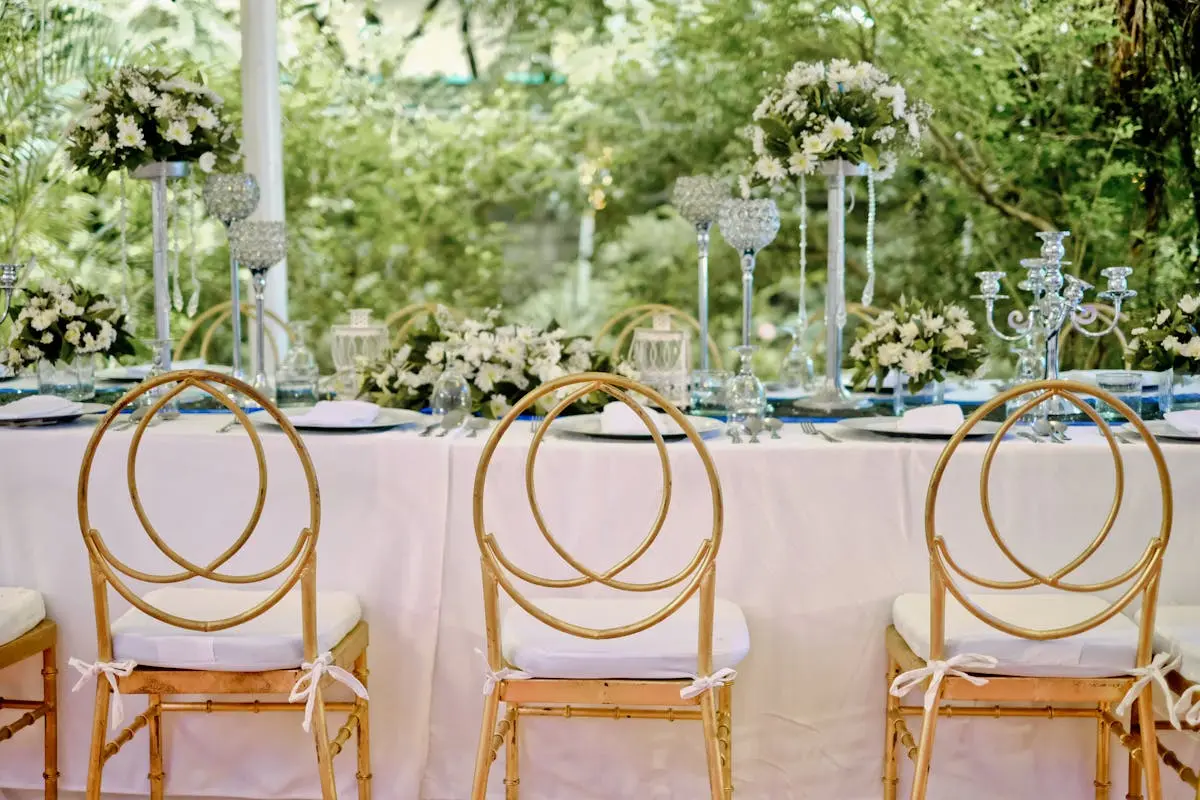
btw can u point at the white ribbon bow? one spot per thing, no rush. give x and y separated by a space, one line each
1155 671
305 687
110 670
1185 707
492 679
703 684
937 671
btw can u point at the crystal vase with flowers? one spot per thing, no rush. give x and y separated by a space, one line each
1166 340
153 124
838 120
500 363
60 328
917 347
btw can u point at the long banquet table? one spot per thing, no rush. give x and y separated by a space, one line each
819 538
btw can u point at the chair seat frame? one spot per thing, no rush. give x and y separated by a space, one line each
41 641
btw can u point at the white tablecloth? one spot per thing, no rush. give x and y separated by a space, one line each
818 540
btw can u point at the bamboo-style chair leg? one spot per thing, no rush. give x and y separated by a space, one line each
156 748
99 737
320 730
725 735
1149 739
1134 790
891 775
512 756
712 745
50 698
483 756
925 748
1103 749
364 732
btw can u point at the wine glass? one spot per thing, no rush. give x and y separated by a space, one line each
451 393
796 371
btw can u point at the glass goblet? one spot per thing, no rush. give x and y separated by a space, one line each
745 398
451 393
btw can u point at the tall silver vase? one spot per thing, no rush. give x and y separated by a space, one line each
157 174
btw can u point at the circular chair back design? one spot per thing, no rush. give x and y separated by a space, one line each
215 318
108 569
408 318
1141 578
499 569
622 325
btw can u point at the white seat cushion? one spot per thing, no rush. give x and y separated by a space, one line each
273 640
20 612
1177 629
1107 650
666 651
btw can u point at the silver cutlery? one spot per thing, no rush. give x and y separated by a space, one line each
807 427
774 426
228 426
1030 435
137 416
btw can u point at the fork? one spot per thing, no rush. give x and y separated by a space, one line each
807 427
134 418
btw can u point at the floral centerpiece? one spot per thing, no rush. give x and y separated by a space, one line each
500 362
1168 337
923 344
143 115
832 111
60 328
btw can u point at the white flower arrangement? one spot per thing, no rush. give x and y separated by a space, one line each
501 363
60 321
832 111
1168 337
925 344
142 115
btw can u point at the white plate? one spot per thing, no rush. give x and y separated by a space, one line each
1092 376
388 418
138 374
590 425
886 426
1161 429
60 417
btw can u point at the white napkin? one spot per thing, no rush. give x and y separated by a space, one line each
39 405
142 371
946 418
339 414
619 419
1184 421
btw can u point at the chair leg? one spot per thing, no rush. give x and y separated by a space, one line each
925 748
320 733
99 738
712 745
1103 741
1134 792
1149 745
50 698
156 748
483 756
891 779
512 756
364 732
725 736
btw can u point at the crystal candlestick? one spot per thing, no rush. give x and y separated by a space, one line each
157 174
698 200
259 246
9 274
232 198
748 226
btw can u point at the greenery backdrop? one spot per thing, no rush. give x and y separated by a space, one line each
465 188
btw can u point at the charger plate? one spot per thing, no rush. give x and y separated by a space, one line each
43 420
590 426
887 426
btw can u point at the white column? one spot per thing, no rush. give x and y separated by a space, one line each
262 133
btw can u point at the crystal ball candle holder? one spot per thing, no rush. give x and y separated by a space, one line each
231 198
698 198
749 225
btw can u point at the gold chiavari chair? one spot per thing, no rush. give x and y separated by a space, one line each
622 325
25 632
203 641
1069 653
541 664
214 320
407 319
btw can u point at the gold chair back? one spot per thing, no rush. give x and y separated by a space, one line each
499 569
408 318
1140 579
214 319
110 571
622 325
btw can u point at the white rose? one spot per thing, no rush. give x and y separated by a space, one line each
207 161
1189 304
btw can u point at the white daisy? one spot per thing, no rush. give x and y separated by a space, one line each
177 131
129 133
141 95
916 363
770 168
839 130
207 161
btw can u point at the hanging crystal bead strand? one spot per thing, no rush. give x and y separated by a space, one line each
868 295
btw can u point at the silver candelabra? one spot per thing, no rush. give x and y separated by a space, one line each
1057 300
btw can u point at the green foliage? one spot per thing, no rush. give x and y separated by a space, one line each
1167 337
925 343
